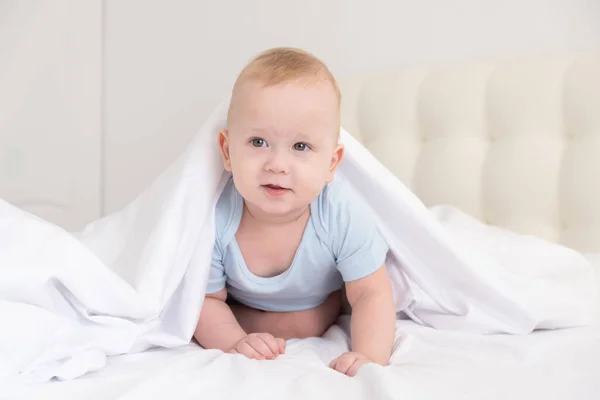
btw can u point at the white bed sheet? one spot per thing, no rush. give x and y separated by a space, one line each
427 364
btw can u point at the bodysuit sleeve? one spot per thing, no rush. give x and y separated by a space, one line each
216 277
224 230
355 241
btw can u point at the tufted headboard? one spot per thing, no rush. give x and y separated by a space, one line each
514 143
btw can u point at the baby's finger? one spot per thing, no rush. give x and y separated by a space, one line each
261 347
344 363
354 367
270 341
247 350
333 363
281 344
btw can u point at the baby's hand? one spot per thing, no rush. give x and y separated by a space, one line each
259 346
349 363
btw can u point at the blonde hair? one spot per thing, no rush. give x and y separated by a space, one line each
282 65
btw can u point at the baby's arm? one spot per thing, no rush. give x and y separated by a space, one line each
373 322
217 328
360 251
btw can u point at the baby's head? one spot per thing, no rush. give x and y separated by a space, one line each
281 141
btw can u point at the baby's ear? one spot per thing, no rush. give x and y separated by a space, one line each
224 146
336 158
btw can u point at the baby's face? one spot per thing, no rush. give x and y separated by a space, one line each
282 144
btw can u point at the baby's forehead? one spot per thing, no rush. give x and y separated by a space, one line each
289 105
250 91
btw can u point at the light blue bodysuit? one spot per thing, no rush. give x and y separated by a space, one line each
340 243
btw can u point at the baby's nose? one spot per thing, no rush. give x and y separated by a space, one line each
277 164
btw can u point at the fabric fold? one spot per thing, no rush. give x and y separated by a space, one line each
136 278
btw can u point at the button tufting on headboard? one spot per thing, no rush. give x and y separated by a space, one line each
515 144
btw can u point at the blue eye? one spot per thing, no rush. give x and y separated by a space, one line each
301 146
258 142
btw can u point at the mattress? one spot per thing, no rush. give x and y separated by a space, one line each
426 364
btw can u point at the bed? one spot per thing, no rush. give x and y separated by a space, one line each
514 143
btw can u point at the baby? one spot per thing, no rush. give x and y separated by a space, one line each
288 236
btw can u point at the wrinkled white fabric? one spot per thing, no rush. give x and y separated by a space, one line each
136 279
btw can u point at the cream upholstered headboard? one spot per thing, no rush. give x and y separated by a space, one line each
515 144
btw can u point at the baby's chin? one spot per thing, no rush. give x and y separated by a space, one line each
280 209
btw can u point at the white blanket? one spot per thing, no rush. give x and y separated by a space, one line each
136 279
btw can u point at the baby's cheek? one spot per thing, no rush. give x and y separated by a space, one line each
312 185
243 162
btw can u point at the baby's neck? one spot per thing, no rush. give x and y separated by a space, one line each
259 217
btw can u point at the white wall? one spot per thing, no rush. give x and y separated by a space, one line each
169 63
50 66
98 96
